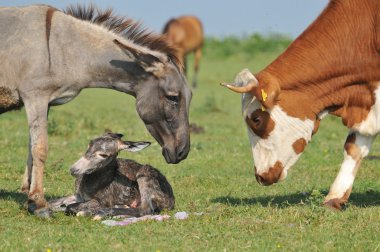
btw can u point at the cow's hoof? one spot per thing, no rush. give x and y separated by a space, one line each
333 204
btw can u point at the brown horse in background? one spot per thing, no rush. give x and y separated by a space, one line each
186 34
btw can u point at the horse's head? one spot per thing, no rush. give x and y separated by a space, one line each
277 139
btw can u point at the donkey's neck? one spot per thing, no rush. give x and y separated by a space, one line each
332 62
91 183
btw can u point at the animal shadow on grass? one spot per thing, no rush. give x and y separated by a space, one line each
16 196
362 200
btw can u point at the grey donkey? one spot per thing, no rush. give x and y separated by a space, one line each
106 185
49 56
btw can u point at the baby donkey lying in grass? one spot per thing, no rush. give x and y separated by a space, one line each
107 186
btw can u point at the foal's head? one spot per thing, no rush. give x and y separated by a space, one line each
102 151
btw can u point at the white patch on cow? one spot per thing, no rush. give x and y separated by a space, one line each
371 125
344 180
323 114
279 145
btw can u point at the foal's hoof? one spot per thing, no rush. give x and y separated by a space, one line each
44 213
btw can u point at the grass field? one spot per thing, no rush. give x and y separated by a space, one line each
217 179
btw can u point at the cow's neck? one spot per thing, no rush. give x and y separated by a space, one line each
333 65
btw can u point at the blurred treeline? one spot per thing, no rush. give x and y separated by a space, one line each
247 45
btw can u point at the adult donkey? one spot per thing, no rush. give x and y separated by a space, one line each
48 56
333 67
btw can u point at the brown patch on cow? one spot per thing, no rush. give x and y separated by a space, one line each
261 123
351 148
299 145
271 176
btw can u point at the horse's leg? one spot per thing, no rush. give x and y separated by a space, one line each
36 112
356 148
197 58
28 171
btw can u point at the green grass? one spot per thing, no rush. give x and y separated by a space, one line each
217 179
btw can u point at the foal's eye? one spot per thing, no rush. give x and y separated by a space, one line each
173 98
103 155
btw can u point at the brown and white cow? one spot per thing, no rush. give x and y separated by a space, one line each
332 67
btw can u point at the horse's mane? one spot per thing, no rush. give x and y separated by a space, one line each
125 27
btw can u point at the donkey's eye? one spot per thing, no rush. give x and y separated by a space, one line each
173 98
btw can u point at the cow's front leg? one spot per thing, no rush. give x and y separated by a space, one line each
37 120
356 148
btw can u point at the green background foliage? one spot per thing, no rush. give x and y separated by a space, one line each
217 178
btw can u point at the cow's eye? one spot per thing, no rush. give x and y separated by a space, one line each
256 119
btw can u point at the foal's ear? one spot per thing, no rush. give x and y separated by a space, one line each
148 62
133 146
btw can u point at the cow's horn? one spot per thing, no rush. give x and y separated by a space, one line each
244 89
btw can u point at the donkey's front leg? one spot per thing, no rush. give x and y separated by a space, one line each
356 148
28 171
36 112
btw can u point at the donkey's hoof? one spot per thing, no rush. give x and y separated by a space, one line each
43 213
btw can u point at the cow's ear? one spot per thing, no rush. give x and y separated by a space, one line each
148 62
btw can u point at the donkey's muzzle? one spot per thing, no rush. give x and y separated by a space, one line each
174 156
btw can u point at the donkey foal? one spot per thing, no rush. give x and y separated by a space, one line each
107 186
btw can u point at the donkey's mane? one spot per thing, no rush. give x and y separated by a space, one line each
125 27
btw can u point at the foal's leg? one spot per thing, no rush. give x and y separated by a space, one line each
36 112
356 148
197 58
86 208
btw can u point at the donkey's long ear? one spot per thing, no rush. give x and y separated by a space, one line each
148 62
133 146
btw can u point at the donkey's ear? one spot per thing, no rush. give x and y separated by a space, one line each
148 62
113 135
133 146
